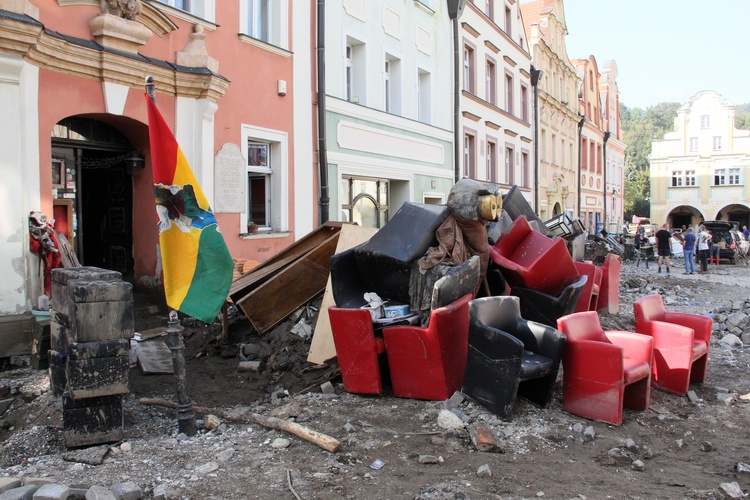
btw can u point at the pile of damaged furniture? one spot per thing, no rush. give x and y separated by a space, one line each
91 326
480 295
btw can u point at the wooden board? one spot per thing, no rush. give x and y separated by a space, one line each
322 348
297 284
15 335
248 282
154 357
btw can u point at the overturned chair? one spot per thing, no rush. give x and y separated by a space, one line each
681 342
529 259
509 356
604 371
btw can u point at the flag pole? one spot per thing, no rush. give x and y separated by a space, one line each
185 412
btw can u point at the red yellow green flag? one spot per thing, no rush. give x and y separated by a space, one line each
197 264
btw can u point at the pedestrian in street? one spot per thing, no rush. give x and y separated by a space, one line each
688 250
715 250
745 232
704 243
663 246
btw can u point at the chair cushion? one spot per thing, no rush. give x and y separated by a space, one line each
635 370
700 349
535 366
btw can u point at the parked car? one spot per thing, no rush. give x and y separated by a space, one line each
729 238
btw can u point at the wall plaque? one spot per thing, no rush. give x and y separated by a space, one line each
229 180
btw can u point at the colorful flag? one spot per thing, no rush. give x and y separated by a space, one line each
197 264
636 219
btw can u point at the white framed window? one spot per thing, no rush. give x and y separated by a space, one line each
509 93
468 69
524 169
525 104
509 165
717 143
355 65
468 155
554 149
424 96
490 82
677 178
204 9
491 162
690 177
733 177
267 170
265 20
720 177
508 22
693 144
705 121
392 84
489 9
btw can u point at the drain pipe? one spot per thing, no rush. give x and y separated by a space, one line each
604 166
455 7
580 146
324 200
536 74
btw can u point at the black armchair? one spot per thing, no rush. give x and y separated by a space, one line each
509 356
546 309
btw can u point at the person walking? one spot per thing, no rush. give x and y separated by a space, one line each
688 250
714 255
663 246
704 243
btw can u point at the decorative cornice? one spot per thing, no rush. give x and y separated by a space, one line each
510 132
494 48
510 61
265 46
150 16
471 116
468 28
492 125
87 59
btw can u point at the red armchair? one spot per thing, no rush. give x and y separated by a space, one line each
429 363
681 342
590 294
609 290
358 350
603 371
529 259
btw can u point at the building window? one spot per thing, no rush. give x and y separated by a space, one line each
553 160
734 177
509 165
693 144
489 9
509 93
543 145
720 177
424 96
690 177
717 143
392 84
508 22
677 178
364 200
199 8
524 170
524 103
468 69
490 76
354 72
491 162
267 178
706 121
469 156
563 149
599 158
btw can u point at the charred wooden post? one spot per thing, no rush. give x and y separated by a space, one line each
185 413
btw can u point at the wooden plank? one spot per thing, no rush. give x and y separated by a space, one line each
322 348
15 335
154 357
262 273
300 282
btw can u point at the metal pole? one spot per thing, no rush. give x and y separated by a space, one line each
185 413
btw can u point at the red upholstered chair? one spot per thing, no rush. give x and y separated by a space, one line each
681 342
609 290
590 294
358 350
529 259
429 363
603 371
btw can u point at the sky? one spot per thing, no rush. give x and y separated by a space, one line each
665 50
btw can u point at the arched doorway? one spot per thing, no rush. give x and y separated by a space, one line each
92 184
684 216
735 213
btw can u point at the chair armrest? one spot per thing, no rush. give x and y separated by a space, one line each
701 325
593 360
634 346
541 339
503 262
494 343
666 335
